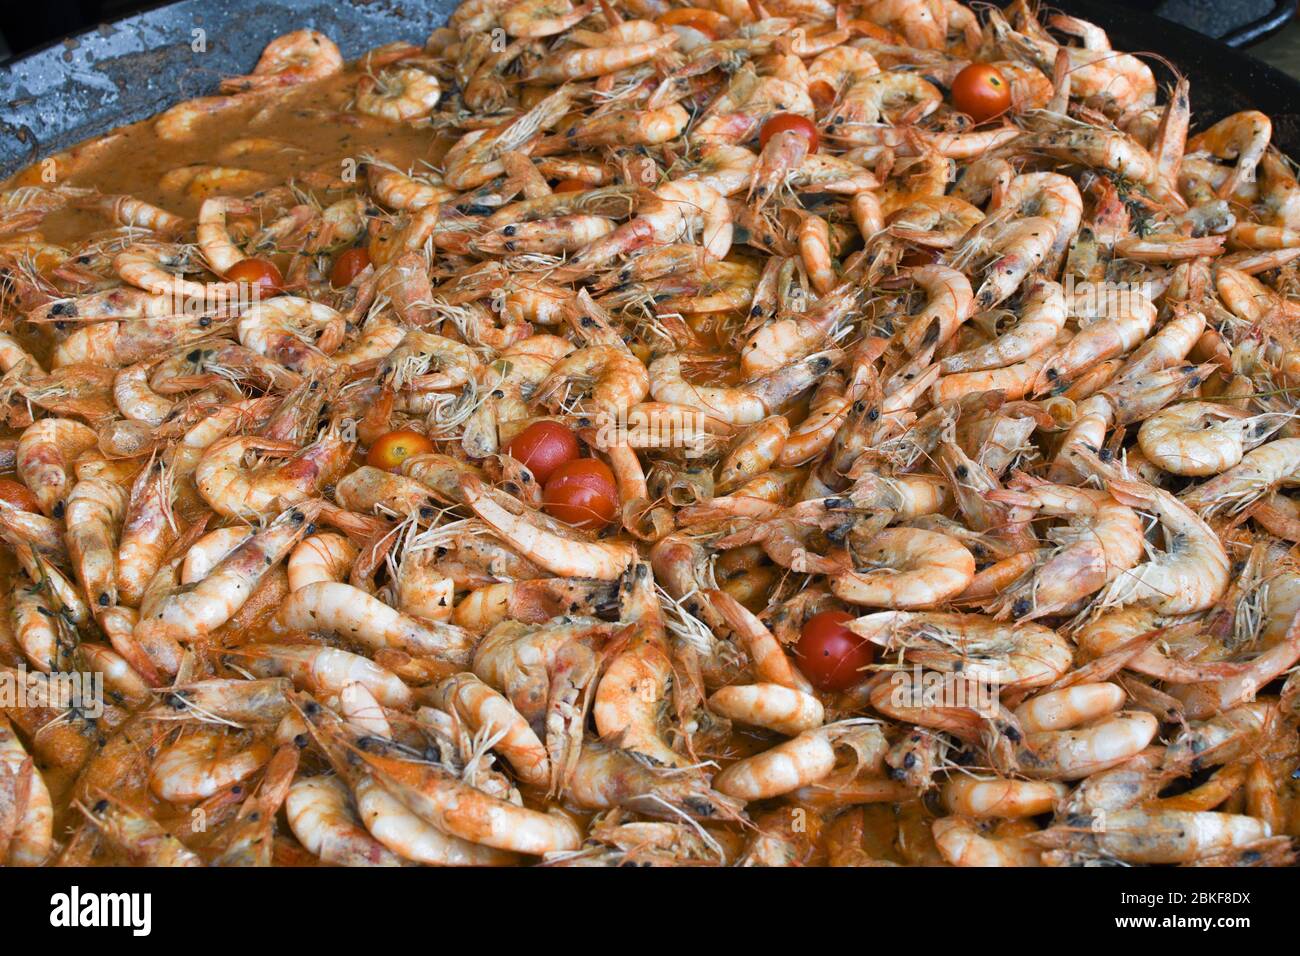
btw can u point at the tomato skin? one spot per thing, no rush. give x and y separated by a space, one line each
829 654
982 92
582 493
393 448
348 266
543 447
570 186
18 495
261 274
793 122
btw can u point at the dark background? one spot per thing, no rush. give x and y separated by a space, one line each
28 24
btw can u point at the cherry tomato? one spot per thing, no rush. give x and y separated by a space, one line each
793 122
571 186
348 266
582 492
395 447
544 447
829 654
709 22
259 273
981 92
18 495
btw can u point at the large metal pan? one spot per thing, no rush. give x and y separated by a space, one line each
139 66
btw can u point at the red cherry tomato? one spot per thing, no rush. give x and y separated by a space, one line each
792 122
982 92
571 186
259 273
348 266
395 447
544 447
829 654
582 492
18 495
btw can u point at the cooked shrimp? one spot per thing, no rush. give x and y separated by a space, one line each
1069 706
676 210
332 607
962 843
214 241
1203 438
1105 337
209 551
1081 752
38 632
542 18
286 329
144 266
398 95
44 456
788 766
30 839
618 380
906 568
320 557
537 539
1100 542
783 709
1010 655
458 809
768 658
1159 836
203 762
139 838
411 837
1258 473
489 713
297 57
1242 136
95 511
1042 317
233 491
187 614
324 670
745 404
598 61
321 816
1190 575
1001 798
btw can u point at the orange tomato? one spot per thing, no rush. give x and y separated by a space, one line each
395 447
261 274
